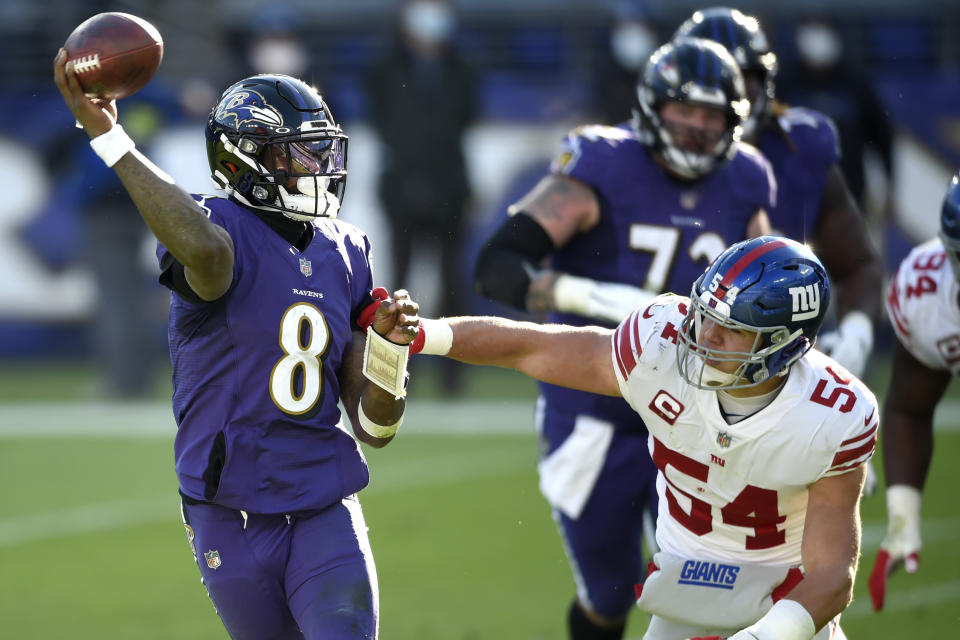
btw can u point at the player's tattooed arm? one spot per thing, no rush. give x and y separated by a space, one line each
202 247
563 206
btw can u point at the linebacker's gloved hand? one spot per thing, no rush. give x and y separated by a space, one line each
902 544
851 343
607 301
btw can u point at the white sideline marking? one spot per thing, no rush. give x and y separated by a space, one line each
155 419
385 478
933 530
87 518
905 599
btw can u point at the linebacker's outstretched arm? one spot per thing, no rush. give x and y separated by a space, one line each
574 357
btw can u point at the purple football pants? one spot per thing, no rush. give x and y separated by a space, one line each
273 577
604 545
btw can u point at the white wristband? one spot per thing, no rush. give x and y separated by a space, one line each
437 337
786 620
112 145
903 501
903 512
378 430
572 293
385 363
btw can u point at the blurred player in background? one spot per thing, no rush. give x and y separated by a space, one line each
268 473
626 213
830 77
632 37
759 440
814 204
924 308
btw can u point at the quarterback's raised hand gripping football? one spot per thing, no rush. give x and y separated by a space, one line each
94 115
204 249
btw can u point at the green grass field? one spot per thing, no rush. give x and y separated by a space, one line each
91 545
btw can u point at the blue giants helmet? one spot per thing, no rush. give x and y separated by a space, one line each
273 144
950 224
697 72
769 286
746 42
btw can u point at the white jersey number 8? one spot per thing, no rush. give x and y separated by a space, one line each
304 338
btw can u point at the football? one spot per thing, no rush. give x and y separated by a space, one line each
114 54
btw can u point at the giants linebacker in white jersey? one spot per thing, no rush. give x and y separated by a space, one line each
924 307
760 441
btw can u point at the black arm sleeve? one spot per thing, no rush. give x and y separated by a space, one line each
173 278
506 261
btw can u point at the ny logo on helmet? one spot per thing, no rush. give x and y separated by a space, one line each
806 302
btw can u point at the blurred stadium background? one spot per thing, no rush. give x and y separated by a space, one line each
90 541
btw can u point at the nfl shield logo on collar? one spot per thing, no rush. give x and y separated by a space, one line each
724 439
213 558
688 199
305 267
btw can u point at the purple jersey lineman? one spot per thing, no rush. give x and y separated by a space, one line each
801 156
655 232
255 388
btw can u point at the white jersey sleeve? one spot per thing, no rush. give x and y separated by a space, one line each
923 307
738 492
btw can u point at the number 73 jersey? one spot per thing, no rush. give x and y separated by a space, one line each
923 306
655 232
738 492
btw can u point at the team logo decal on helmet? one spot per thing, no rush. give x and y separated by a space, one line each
773 288
273 144
667 69
244 107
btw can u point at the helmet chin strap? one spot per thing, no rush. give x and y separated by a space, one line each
713 377
312 201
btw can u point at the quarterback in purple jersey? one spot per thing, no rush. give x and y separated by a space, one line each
814 204
626 213
273 321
